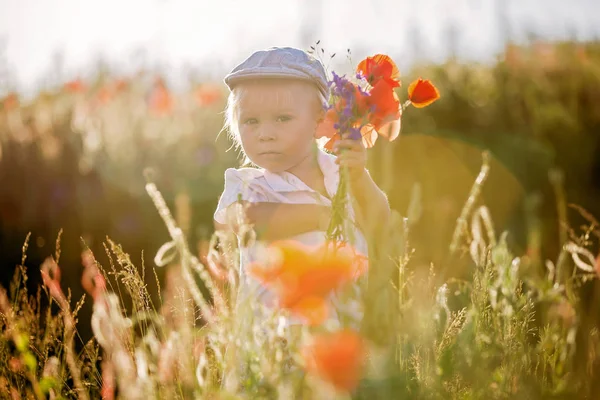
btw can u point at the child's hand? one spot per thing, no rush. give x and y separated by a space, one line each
373 208
352 154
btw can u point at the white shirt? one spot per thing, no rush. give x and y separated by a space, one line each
259 185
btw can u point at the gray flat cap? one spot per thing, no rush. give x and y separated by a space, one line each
280 62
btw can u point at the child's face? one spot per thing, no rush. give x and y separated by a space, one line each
277 121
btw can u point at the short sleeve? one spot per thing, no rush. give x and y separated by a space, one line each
237 183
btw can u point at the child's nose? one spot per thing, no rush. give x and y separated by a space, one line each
266 132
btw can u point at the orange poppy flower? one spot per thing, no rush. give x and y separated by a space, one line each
303 278
75 86
358 98
337 358
422 93
361 102
379 67
326 128
161 100
386 108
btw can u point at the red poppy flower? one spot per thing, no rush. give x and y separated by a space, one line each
360 100
379 67
386 108
337 358
303 278
422 93
360 110
326 128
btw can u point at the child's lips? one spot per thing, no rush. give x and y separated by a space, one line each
270 153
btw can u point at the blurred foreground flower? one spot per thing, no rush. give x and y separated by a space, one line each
302 278
337 358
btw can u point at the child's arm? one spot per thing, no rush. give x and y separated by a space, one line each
274 221
373 205
244 203
372 202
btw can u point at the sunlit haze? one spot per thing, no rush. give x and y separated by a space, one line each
212 35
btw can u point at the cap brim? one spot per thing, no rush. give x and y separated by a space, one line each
236 78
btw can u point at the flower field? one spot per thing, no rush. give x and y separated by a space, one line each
484 285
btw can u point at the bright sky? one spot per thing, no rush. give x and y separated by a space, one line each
214 35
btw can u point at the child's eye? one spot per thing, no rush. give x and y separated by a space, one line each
250 121
283 118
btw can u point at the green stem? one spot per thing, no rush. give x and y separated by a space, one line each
336 229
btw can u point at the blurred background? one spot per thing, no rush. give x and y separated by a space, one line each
92 94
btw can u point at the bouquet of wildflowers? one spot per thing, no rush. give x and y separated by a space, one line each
365 108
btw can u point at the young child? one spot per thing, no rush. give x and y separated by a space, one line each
275 104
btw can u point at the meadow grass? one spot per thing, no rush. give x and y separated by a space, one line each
514 329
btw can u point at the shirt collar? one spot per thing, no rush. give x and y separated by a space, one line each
288 182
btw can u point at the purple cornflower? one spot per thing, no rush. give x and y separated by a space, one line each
344 92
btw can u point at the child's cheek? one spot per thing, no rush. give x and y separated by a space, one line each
246 130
